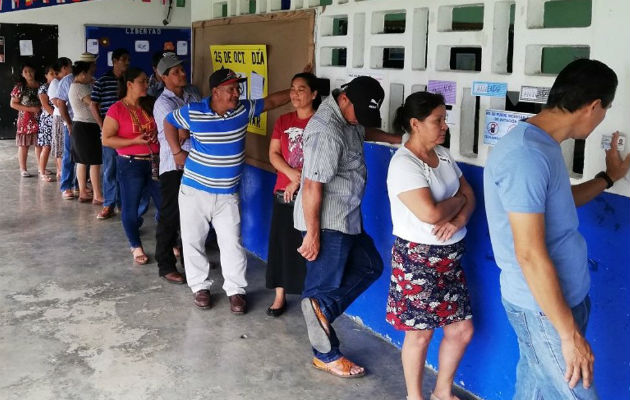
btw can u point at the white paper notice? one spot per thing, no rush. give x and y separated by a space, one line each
142 46
182 48
92 46
109 59
258 83
26 47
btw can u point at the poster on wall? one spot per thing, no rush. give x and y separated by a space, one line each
140 41
499 123
248 61
448 89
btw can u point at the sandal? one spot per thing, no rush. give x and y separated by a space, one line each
140 259
317 325
341 367
25 174
67 194
46 178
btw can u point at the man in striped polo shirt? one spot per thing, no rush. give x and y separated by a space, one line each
342 261
104 94
212 174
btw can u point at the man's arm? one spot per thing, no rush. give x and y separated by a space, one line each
276 99
378 135
312 195
528 230
172 137
63 110
616 168
95 109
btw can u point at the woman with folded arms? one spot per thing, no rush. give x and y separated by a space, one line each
431 203
24 99
129 128
286 268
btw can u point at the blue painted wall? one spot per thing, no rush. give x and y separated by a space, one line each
488 368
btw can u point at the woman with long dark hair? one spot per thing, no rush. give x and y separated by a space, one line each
44 136
24 99
431 203
286 268
129 128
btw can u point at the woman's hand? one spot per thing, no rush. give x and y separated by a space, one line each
141 139
295 176
445 231
290 190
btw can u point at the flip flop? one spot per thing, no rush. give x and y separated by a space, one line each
25 174
342 364
47 178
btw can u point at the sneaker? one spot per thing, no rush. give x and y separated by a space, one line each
106 212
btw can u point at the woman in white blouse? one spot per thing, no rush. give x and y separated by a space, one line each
431 203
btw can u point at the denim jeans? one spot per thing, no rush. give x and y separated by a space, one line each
110 184
68 175
541 366
344 268
134 177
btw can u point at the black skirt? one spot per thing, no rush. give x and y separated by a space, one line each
86 143
286 268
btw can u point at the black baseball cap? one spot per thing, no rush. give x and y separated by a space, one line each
224 76
366 95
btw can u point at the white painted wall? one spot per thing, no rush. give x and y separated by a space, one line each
72 18
608 38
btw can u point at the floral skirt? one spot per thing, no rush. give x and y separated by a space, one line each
44 136
427 288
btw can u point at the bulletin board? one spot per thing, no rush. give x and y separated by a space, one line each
140 41
290 45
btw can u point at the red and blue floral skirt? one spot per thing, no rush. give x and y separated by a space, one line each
427 288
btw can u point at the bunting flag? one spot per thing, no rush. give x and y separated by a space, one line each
14 5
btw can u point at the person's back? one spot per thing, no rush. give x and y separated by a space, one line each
526 173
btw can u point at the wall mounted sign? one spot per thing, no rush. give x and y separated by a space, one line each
490 89
499 123
448 89
534 94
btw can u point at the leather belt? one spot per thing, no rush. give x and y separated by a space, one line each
143 157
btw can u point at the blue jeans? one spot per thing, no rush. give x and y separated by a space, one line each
110 184
344 268
68 175
541 367
134 177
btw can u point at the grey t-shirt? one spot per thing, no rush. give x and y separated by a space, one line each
81 109
333 155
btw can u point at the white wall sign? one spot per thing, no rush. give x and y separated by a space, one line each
500 122
92 46
26 47
142 46
490 89
110 63
182 48
534 94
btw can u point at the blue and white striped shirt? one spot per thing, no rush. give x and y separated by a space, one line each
105 92
217 153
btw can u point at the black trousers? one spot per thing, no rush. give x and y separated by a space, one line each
167 231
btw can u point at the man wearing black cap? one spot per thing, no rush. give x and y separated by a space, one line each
212 173
342 261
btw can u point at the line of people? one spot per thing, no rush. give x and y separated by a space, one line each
188 153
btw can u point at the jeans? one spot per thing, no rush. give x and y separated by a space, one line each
134 177
167 230
111 193
344 268
68 175
541 366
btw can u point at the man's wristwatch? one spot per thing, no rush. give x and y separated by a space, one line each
603 175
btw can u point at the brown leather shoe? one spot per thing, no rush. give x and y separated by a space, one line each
106 212
174 277
238 304
202 299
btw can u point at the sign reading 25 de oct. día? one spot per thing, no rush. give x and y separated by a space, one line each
248 61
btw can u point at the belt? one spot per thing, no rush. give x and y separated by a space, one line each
132 157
